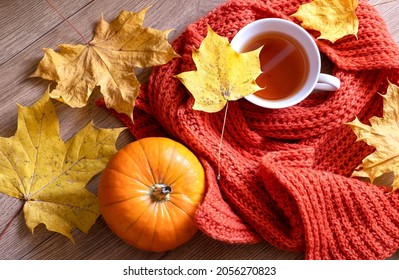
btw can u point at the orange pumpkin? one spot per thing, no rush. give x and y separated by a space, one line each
149 192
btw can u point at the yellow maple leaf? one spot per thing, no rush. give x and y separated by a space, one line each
108 61
49 175
333 18
383 134
222 74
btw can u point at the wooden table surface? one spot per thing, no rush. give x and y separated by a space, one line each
28 26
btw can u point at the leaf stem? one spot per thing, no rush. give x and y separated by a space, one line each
11 220
67 20
221 139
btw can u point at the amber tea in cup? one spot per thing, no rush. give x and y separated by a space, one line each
283 62
290 62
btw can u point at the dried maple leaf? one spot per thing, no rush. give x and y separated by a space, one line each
222 74
49 175
383 134
108 61
333 18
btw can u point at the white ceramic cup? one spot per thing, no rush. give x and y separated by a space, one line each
314 81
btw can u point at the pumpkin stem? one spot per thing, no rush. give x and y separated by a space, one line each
160 192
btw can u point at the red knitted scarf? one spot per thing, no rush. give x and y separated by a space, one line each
285 174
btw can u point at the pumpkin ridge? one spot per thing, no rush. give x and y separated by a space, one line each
176 180
128 176
139 169
183 211
171 221
121 201
148 163
137 219
169 163
182 174
193 198
155 208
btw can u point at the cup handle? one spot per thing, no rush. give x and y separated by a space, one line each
327 83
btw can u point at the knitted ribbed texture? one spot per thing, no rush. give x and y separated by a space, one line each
285 174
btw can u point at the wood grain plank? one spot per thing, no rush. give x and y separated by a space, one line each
206 248
15 87
22 22
33 25
388 9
